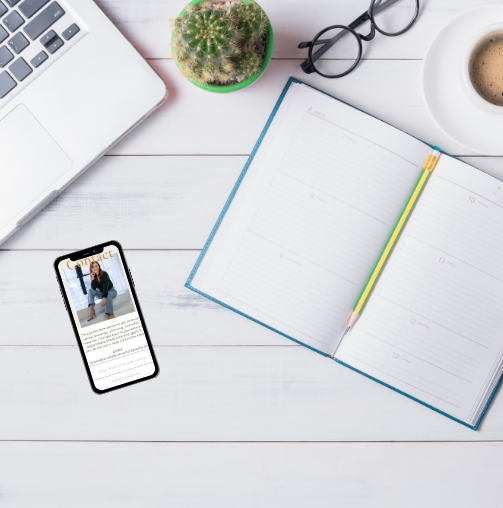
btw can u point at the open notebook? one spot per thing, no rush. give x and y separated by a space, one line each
306 222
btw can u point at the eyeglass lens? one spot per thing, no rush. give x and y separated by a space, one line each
341 54
393 16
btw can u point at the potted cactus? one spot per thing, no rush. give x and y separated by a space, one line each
222 46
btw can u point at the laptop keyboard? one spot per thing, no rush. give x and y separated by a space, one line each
24 23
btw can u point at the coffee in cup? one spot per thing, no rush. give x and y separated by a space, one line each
482 68
486 69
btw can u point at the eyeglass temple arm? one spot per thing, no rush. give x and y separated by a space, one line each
328 43
357 22
308 44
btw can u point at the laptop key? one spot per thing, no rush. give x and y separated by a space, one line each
38 25
13 21
48 37
5 56
54 45
18 43
12 3
51 41
71 31
3 9
3 34
6 84
38 60
30 7
20 69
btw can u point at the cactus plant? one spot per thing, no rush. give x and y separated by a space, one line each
219 42
250 19
247 63
208 36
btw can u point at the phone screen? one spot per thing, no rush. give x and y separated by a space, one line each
104 309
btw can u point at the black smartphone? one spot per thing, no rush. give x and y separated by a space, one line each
100 298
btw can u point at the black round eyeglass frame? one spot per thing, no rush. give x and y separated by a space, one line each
308 66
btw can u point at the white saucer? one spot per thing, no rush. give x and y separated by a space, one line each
447 103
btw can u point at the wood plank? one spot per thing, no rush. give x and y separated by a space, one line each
146 24
194 121
147 203
143 202
296 475
216 394
174 314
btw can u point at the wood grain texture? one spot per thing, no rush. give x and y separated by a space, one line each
127 475
147 203
216 394
223 378
146 24
194 121
174 314
143 202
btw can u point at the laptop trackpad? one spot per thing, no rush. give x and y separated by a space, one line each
30 162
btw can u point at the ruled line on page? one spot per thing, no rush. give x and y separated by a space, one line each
472 191
416 339
437 323
276 318
317 205
320 266
394 341
419 358
267 283
482 310
332 171
458 259
342 201
368 169
433 290
332 123
421 342
401 379
438 308
387 366
400 290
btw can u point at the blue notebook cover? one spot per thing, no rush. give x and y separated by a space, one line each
188 284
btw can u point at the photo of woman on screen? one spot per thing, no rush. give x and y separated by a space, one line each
101 287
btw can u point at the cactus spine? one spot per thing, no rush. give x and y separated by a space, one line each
251 21
215 44
247 63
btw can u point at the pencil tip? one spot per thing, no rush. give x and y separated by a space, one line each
348 329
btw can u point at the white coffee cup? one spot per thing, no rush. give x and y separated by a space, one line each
475 98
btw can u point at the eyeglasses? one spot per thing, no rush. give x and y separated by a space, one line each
341 46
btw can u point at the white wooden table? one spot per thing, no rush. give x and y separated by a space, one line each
239 416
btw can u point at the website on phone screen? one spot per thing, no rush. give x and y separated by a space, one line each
109 326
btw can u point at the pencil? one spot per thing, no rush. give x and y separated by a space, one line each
429 166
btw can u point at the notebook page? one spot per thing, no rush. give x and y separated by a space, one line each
310 218
433 327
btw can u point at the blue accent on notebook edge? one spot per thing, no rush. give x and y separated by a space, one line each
188 284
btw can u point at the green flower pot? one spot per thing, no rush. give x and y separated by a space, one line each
246 82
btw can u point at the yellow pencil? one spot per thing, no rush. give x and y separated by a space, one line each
395 234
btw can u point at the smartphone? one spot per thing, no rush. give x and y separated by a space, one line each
101 301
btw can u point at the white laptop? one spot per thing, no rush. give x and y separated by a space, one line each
71 86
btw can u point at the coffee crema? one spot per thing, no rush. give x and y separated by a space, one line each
486 69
